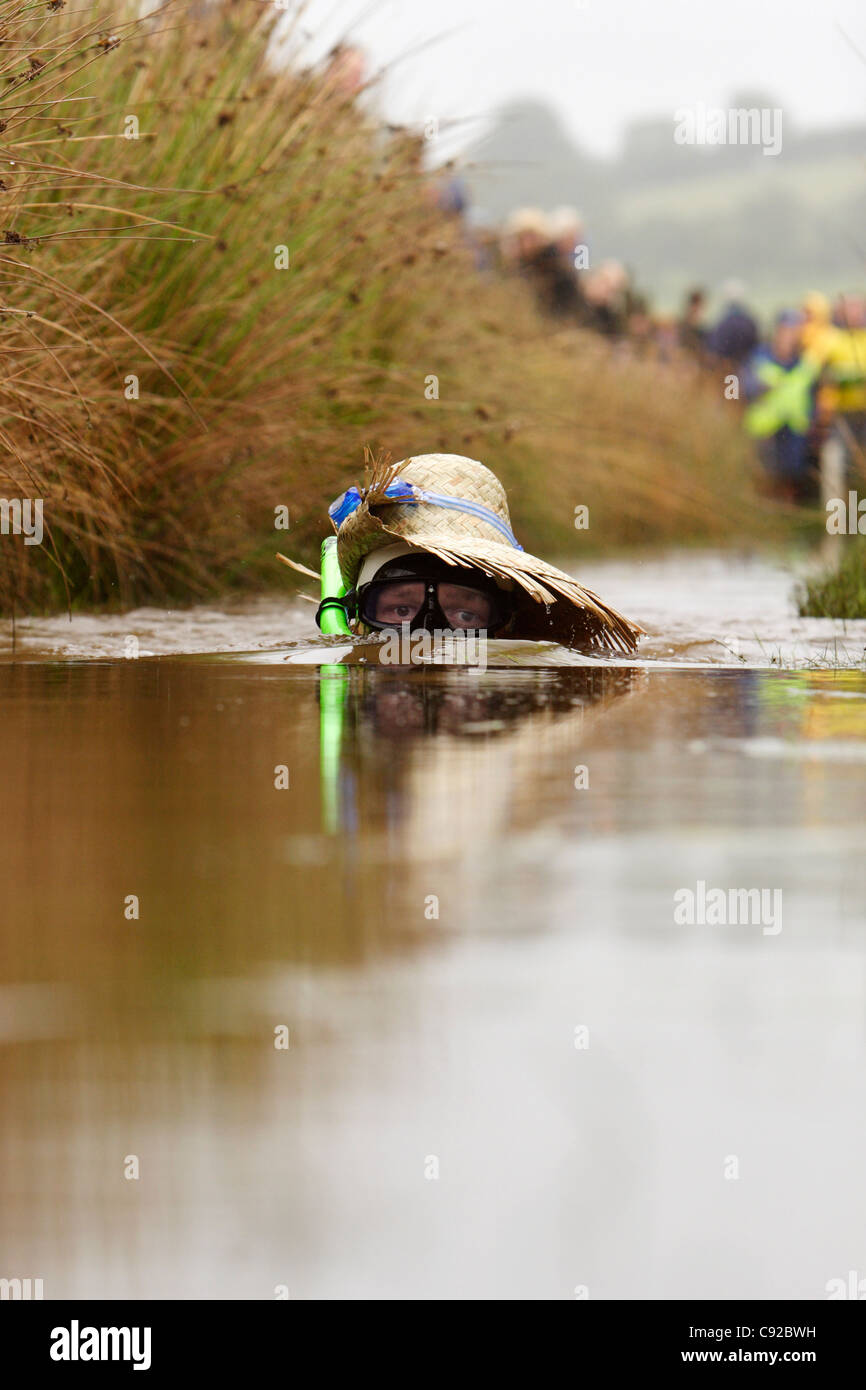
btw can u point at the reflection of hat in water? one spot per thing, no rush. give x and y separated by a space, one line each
455 508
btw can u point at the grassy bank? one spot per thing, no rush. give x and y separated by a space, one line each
167 381
841 592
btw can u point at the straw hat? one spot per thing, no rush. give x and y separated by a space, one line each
455 508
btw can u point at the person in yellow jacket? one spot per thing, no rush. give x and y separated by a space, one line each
818 336
818 332
844 379
838 346
780 383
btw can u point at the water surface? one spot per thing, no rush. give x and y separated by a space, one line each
467 875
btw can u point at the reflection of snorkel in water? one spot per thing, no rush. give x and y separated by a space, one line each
426 545
333 694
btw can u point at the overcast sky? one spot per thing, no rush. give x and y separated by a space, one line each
602 63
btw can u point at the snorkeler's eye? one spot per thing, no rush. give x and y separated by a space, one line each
398 602
463 607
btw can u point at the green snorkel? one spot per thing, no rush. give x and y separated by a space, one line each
332 620
333 686
331 614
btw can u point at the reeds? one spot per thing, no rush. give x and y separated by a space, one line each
165 385
840 591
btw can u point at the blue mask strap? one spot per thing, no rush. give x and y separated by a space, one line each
400 491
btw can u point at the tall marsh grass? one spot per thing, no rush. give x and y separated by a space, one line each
164 386
840 591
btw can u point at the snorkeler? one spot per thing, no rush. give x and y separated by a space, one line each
427 545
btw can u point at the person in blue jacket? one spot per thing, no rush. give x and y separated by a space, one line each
734 338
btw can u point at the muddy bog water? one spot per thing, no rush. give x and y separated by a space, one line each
523 1057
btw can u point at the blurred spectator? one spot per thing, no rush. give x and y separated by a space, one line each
487 249
844 373
818 332
640 327
735 337
523 236
691 330
564 292
668 342
606 295
780 381
567 233
452 195
530 248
